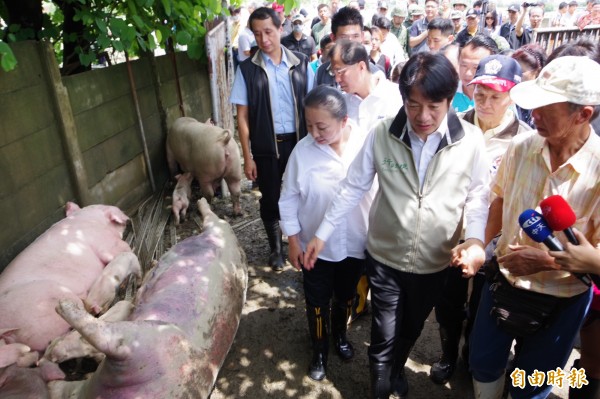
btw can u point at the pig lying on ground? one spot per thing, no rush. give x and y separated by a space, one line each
63 262
209 153
72 345
182 195
185 319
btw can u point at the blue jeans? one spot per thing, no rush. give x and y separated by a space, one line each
546 350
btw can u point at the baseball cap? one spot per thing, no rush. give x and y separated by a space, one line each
513 8
498 72
382 4
399 12
463 2
471 12
298 17
568 78
277 7
455 14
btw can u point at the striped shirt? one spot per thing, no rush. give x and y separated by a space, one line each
524 179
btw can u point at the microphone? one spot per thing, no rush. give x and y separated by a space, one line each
536 227
560 216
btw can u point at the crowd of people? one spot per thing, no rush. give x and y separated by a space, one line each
405 158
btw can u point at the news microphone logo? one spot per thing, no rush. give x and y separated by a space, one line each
536 227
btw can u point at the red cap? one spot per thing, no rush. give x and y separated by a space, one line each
277 7
558 213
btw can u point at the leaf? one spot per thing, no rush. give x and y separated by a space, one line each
167 6
158 35
101 25
138 22
8 62
183 37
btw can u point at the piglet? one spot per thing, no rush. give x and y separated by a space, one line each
186 317
182 195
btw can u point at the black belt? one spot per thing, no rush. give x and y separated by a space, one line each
286 137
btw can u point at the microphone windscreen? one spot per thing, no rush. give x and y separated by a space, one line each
558 213
534 225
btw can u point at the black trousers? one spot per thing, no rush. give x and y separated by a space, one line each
450 309
332 278
400 303
270 174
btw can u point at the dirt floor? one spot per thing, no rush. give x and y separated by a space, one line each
271 352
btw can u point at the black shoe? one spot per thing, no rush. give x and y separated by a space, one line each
441 371
316 370
273 231
380 380
400 386
344 348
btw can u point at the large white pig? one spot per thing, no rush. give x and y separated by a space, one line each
63 262
185 319
208 152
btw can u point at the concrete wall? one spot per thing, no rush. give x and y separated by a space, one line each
78 138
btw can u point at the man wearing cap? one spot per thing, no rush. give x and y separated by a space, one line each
382 9
509 26
473 28
524 34
268 91
496 75
286 24
561 157
415 13
459 5
323 27
398 29
457 20
418 31
298 41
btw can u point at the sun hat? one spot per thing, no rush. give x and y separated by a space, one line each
565 79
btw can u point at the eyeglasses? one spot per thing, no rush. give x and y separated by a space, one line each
339 72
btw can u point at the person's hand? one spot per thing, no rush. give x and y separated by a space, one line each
250 169
295 253
313 249
469 256
524 260
582 258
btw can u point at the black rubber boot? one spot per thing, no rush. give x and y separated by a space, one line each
318 320
340 313
276 260
442 370
398 378
380 380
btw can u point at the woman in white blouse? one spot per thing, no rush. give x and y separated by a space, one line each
316 167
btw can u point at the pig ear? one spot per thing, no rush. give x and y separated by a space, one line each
6 333
225 136
117 216
71 207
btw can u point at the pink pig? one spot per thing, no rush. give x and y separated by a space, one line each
209 153
63 262
184 322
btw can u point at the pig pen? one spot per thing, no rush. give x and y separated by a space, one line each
271 351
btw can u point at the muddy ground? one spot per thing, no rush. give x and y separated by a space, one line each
271 351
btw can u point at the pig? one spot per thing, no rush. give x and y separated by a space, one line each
209 153
22 383
63 262
182 195
186 316
72 345
103 291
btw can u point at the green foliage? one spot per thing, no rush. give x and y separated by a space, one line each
8 62
132 26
